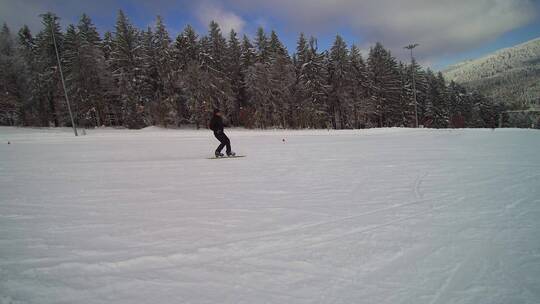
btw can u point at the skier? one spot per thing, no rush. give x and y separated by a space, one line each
216 125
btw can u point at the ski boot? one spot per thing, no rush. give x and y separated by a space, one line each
231 154
219 154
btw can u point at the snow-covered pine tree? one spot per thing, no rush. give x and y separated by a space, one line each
186 54
97 80
196 94
248 55
485 113
116 80
358 88
49 90
300 58
259 94
259 90
437 112
214 63
384 87
86 74
26 44
270 82
187 48
406 99
125 61
424 104
73 70
150 81
235 75
247 60
262 45
29 110
459 105
339 82
282 79
162 60
10 81
313 88
302 53
112 112
215 48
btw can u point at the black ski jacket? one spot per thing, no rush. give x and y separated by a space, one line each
216 124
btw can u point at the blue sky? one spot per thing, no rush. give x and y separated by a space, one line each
447 31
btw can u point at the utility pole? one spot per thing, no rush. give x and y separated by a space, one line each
62 77
411 47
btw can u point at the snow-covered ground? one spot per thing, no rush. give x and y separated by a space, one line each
366 216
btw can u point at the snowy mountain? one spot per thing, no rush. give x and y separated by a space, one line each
510 75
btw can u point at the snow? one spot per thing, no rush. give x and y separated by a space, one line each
364 216
525 56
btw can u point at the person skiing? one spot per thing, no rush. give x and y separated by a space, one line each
216 125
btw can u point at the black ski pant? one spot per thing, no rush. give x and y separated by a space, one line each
224 141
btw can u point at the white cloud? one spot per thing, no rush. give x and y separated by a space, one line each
227 20
440 26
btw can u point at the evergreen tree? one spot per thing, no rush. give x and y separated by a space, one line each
136 78
112 108
247 60
459 105
282 79
358 88
312 86
236 76
437 115
107 45
150 82
262 46
338 79
214 63
384 87
48 92
86 73
10 82
186 54
29 108
300 58
275 47
259 90
187 48
406 97
215 48
302 53
126 64
161 59
424 104
73 69
248 54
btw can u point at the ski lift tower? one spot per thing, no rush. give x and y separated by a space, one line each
411 47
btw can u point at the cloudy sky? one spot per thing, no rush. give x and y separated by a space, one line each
447 31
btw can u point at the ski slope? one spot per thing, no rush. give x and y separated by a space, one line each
364 216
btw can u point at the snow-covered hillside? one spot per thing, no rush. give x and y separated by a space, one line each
520 56
365 216
510 75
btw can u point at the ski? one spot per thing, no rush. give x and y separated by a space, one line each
226 157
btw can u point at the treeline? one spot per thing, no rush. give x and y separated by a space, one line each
135 78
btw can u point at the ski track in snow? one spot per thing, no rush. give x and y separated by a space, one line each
359 216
